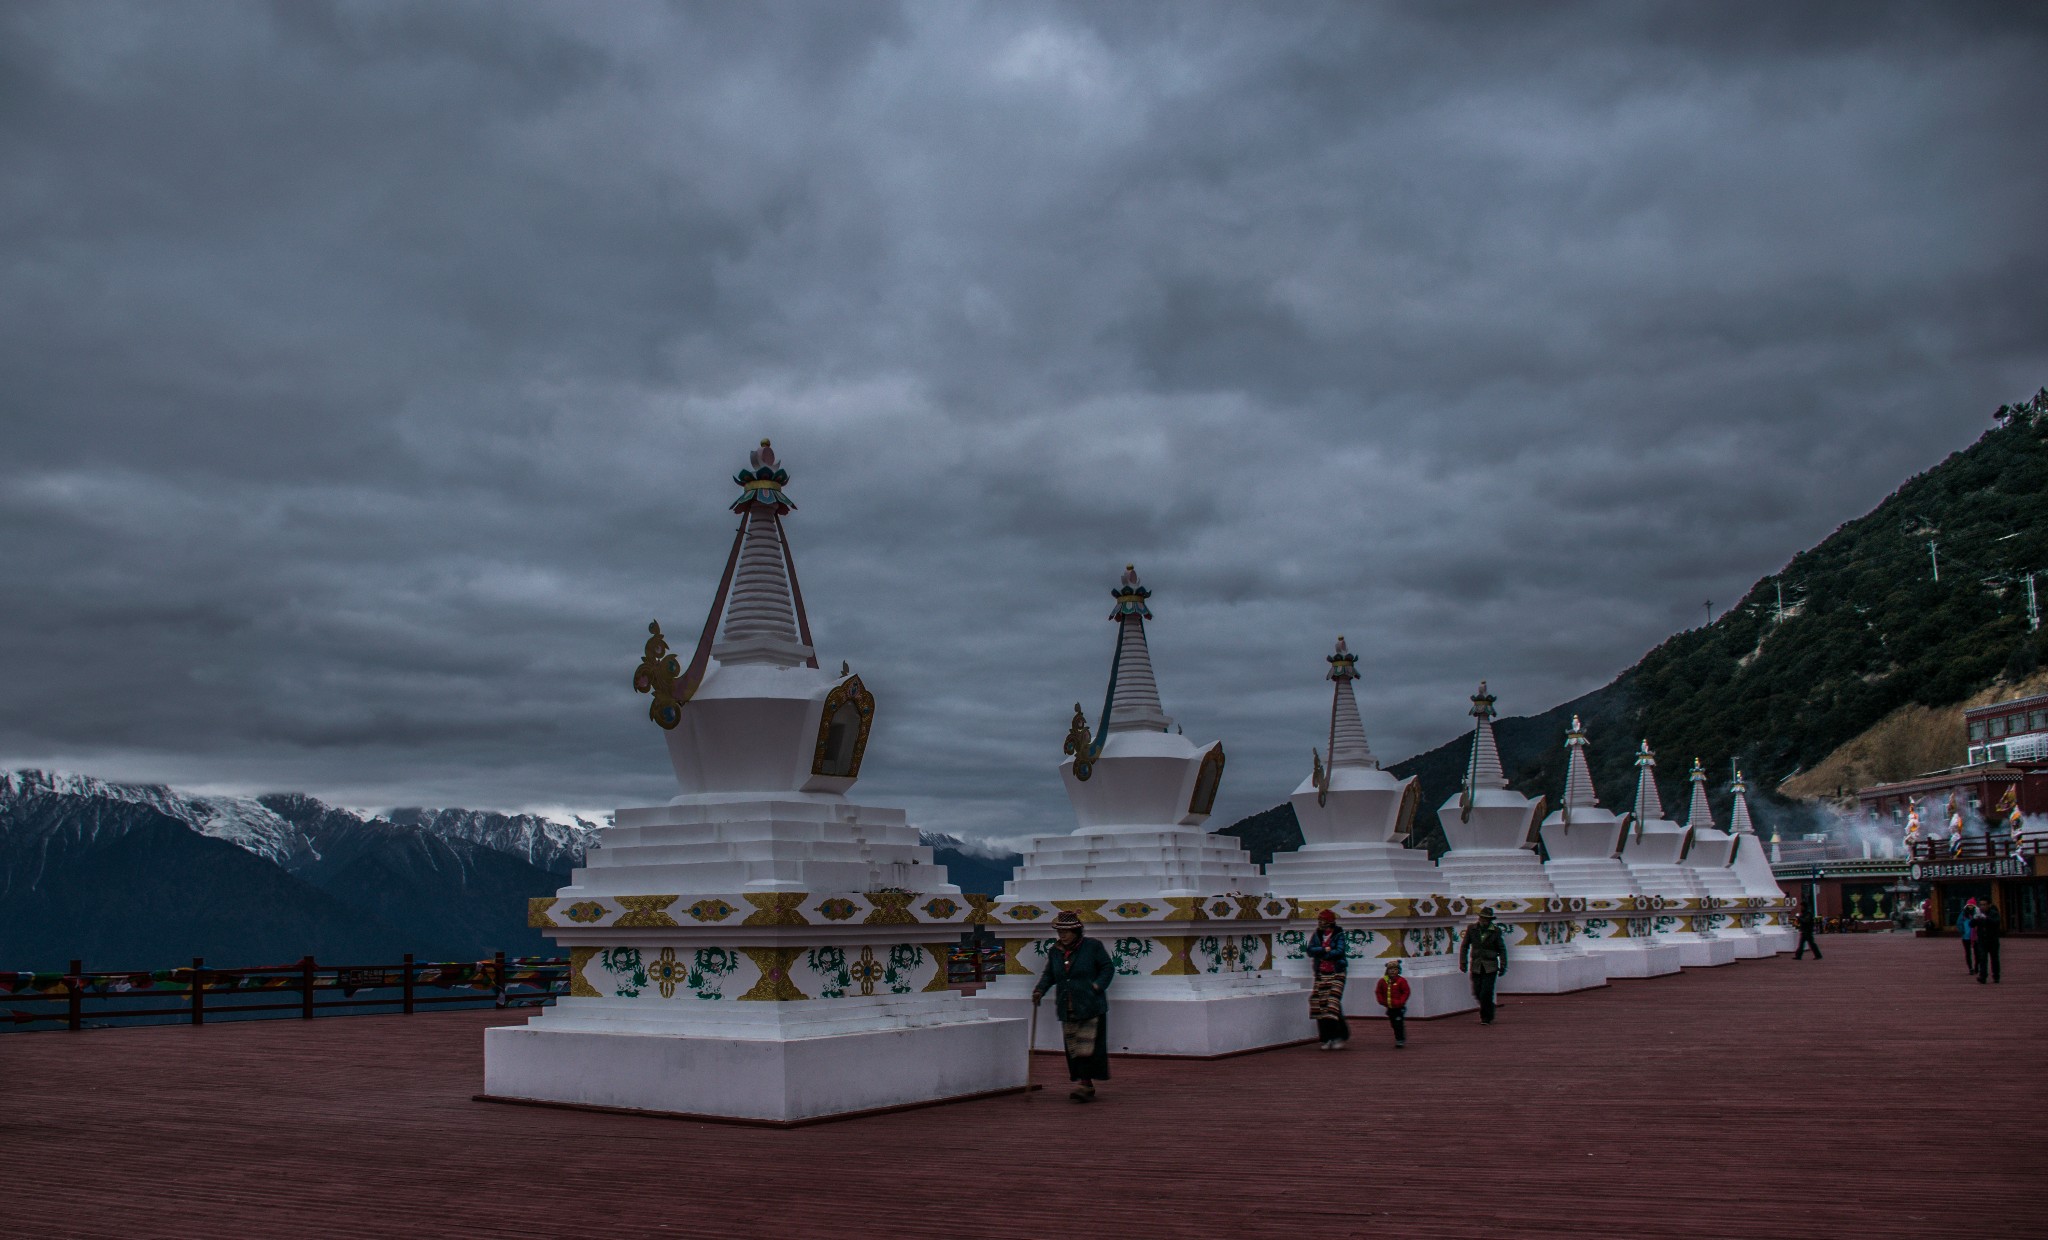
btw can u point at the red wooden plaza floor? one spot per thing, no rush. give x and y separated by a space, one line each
1876 1093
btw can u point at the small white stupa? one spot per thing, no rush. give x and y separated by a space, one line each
1582 841
1709 859
1186 913
1770 916
1355 821
761 947
1491 862
1654 849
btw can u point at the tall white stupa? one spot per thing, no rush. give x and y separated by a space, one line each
1583 840
1355 821
1654 849
1491 861
1770 915
1709 860
761 947
1186 913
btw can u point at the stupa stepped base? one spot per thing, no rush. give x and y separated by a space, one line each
792 842
778 1063
1132 863
1435 987
1383 871
1484 874
1199 1017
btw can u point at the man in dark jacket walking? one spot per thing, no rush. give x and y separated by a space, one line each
1988 929
1485 956
1078 970
1806 938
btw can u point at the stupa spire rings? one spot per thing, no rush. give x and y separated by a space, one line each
1578 780
1699 815
762 481
1483 769
1131 703
1348 746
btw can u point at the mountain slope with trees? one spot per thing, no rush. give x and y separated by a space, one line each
1864 630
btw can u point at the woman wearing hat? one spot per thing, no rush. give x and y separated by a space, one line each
1328 954
1079 971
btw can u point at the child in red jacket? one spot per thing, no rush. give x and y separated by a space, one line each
1391 992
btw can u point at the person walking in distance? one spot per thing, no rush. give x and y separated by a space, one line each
1966 930
1328 956
1989 929
1484 955
1806 939
1078 970
1391 992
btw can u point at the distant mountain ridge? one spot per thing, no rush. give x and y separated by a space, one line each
146 876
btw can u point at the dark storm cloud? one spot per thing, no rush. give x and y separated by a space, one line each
373 372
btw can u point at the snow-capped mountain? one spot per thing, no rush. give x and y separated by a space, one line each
242 821
551 845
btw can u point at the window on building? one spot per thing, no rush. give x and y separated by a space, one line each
1977 730
2038 721
1998 726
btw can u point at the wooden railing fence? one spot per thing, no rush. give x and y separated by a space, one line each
79 997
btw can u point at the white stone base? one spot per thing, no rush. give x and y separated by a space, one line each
1199 1016
1748 944
1547 975
1779 938
1633 958
791 1062
1438 992
1697 951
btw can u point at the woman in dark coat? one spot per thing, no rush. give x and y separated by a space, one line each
1078 971
1328 955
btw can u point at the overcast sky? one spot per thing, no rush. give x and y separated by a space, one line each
371 375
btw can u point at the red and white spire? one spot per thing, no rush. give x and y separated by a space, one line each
1738 816
764 620
1699 816
1578 780
1649 805
1483 770
1348 745
1133 692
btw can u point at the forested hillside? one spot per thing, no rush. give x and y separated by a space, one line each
1865 627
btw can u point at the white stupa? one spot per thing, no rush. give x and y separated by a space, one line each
760 947
1709 859
1355 822
1770 916
1583 840
1491 862
1186 913
1654 849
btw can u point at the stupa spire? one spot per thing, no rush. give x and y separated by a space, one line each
1133 703
1482 769
764 614
1348 745
1649 806
1738 816
1578 780
1700 816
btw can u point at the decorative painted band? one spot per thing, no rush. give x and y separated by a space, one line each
906 908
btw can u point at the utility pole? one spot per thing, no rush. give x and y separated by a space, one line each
1710 613
1781 602
1934 558
2033 607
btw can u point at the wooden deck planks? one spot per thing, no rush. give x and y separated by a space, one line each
1879 1092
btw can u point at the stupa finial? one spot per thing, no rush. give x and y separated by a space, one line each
762 482
1130 595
